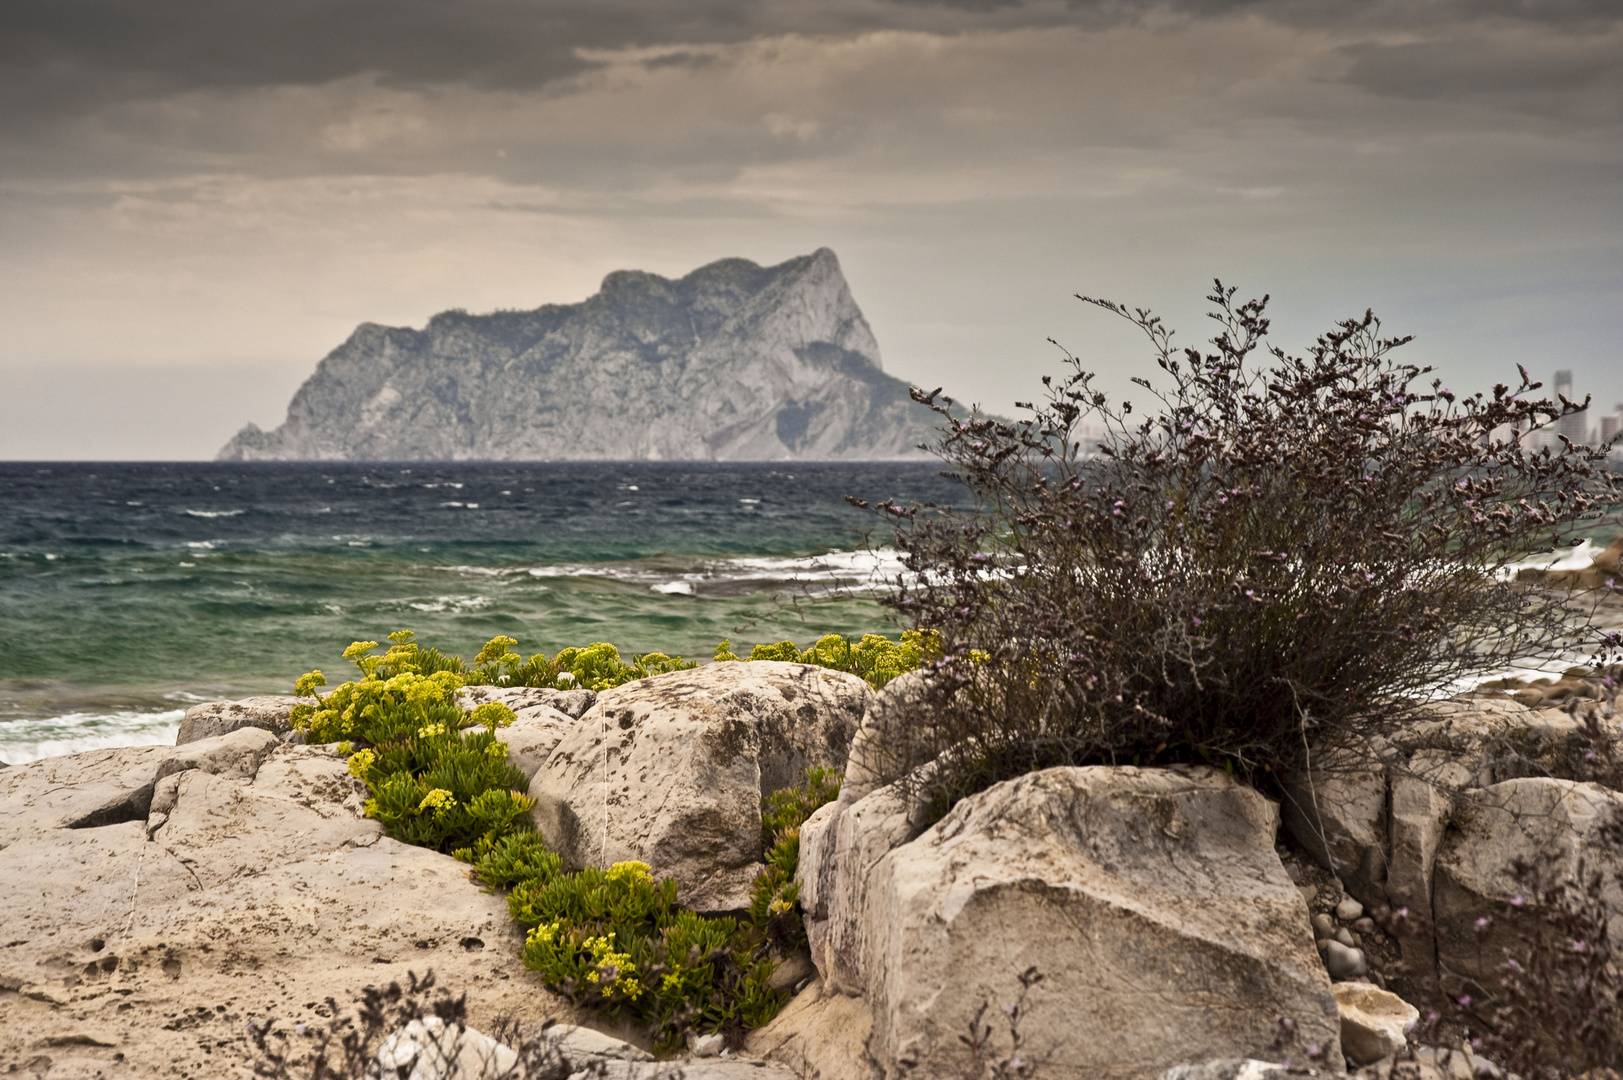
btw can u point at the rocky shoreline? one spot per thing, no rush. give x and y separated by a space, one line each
156 900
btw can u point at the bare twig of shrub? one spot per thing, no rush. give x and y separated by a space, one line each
985 1061
1285 553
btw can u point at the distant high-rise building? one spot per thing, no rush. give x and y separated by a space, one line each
1575 426
1609 425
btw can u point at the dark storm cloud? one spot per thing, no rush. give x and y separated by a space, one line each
1495 68
72 48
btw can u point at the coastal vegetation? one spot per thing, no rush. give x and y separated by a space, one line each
1268 571
613 939
1277 559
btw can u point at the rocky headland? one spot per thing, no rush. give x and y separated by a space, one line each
734 362
157 899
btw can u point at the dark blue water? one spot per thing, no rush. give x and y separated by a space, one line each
128 591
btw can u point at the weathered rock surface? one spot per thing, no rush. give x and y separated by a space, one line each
1518 819
671 770
821 1034
840 846
1152 901
1379 825
734 362
571 703
269 712
1374 1022
157 898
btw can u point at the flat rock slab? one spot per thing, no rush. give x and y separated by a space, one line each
248 885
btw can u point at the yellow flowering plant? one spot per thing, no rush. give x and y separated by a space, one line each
613 939
875 658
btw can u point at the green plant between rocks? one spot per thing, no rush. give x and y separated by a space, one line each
874 658
613 940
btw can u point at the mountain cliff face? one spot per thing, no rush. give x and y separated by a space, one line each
734 362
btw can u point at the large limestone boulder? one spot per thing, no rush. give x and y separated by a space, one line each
840 846
269 712
533 735
1152 901
671 770
1526 819
156 899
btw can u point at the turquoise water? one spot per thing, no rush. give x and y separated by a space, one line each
129 591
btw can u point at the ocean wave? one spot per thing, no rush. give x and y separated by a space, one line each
212 513
74 733
831 572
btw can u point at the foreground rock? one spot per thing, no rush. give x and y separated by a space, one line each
1374 1023
156 899
1519 820
1152 901
671 770
269 712
1380 823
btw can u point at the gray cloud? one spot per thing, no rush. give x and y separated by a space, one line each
241 182
1523 73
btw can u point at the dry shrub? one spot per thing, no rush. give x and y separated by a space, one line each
1285 551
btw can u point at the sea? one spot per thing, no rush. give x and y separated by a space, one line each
130 591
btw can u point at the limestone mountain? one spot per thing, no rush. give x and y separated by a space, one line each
734 362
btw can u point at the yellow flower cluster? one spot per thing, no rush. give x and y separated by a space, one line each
545 933
439 801
432 731
630 872
360 762
612 971
492 714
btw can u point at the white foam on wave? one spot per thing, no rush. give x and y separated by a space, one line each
855 571
74 733
213 513
450 603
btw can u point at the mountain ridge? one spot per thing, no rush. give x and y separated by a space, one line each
731 362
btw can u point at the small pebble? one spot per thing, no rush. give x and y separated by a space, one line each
1342 962
1349 909
1344 936
1323 925
1366 925
1293 872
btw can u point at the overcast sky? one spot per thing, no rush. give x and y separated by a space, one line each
200 198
